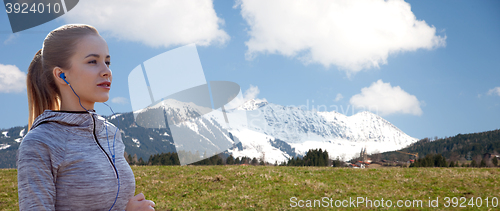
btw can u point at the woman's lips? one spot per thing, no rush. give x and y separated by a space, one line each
105 85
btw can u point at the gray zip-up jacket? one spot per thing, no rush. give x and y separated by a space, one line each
64 163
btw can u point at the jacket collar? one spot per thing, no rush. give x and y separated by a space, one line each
69 118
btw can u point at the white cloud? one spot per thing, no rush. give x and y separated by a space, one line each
385 99
119 100
352 35
249 94
11 39
153 22
11 79
495 90
339 97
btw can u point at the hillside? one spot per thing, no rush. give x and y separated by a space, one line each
459 147
10 139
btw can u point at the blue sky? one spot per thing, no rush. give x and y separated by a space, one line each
434 75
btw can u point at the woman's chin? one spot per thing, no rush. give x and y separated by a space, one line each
102 99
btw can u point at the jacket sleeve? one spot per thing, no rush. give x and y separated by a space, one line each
36 174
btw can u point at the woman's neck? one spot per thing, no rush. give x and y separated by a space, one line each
75 106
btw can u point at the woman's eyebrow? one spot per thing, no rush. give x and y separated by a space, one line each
96 55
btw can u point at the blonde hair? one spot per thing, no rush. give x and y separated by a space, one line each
58 47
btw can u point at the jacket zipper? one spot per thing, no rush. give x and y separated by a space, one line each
97 141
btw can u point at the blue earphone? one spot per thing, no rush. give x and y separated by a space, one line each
64 78
114 137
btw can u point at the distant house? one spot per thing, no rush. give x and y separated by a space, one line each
488 156
361 164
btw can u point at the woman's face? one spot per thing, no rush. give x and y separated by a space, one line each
89 74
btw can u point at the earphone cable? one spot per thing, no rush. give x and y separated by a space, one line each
79 101
113 153
107 138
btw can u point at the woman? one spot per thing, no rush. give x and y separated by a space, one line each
67 159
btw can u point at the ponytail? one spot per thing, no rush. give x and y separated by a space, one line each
43 93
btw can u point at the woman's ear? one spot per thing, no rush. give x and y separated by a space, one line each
59 76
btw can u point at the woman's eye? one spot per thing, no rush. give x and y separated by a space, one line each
93 62
108 63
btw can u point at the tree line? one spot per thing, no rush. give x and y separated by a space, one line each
172 158
316 157
437 160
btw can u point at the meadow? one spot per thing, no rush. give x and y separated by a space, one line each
285 188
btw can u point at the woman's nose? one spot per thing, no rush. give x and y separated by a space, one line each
106 72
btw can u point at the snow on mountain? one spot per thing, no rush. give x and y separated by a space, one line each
114 116
340 135
255 144
253 104
366 126
190 130
137 142
275 132
4 146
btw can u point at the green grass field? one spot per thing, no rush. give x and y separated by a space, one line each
271 188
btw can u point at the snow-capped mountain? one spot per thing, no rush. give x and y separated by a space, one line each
271 128
272 132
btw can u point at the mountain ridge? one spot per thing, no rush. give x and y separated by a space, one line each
302 130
